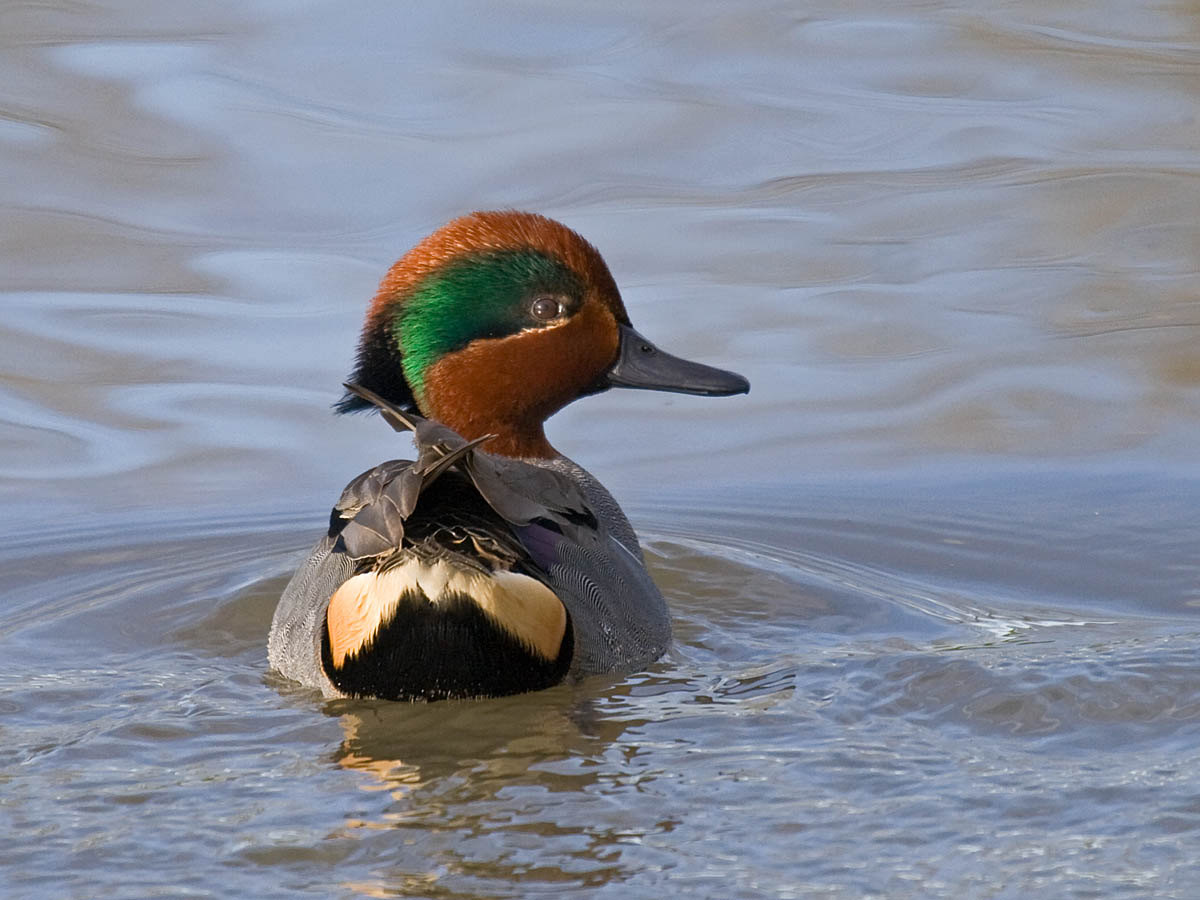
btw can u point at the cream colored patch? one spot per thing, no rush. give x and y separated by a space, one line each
522 606
527 609
355 611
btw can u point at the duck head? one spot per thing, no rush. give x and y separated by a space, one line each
498 320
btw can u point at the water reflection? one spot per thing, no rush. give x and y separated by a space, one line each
456 767
493 740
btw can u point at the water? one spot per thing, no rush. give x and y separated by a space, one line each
934 581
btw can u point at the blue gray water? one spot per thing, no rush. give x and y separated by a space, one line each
935 581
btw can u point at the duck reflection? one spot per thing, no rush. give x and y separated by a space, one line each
404 746
481 793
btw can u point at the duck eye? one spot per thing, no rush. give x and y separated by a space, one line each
545 308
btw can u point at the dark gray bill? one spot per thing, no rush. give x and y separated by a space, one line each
642 365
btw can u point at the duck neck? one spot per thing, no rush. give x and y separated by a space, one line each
517 435
517 439
494 396
528 444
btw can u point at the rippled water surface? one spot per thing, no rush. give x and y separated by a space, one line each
935 581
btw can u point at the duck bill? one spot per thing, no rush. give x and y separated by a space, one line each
640 364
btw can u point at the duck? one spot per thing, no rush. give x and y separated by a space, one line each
491 564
